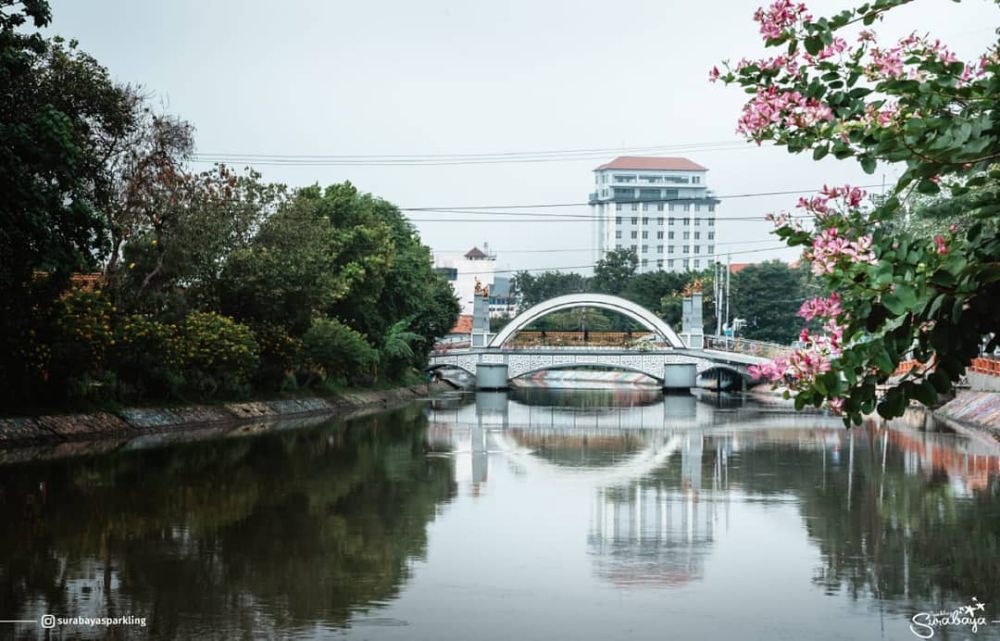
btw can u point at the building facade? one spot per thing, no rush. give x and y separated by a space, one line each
463 271
661 208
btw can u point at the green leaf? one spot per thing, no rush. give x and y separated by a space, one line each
868 164
893 404
928 187
813 45
925 393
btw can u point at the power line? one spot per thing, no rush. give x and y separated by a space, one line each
587 249
467 208
459 158
592 265
549 219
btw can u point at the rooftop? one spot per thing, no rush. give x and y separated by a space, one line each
660 163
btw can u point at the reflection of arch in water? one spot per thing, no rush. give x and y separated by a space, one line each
587 450
627 308
588 399
731 379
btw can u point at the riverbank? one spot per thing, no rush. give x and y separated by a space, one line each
140 421
977 411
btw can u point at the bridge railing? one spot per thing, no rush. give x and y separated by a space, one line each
747 346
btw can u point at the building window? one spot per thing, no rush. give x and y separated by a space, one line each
659 264
659 234
697 221
618 246
711 235
687 263
697 207
645 206
634 247
697 235
670 264
645 249
645 234
687 221
645 220
659 207
697 264
670 249
711 208
618 220
687 235
670 235
659 249
659 221
711 249
618 234
671 220
687 207
711 222
635 234
618 206
671 206
697 249
635 206
635 220
696 180
645 262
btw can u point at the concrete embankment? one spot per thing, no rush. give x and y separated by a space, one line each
976 410
136 421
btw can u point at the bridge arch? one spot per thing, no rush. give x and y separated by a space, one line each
627 308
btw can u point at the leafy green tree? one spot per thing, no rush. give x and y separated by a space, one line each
177 263
56 105
768 297
614 272
336 351
287 274
530 289
895 291
396 348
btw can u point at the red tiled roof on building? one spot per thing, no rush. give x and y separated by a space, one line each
463 325
86 282
652 162
476 254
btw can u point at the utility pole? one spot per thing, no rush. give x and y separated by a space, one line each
728 275
717 288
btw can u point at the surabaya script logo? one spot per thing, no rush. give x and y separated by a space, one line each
972 616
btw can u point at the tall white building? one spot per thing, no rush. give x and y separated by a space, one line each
659 207
463 271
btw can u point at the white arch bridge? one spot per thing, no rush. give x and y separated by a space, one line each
670 361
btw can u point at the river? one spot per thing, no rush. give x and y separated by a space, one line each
535 514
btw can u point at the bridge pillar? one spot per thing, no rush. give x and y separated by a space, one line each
491 376
679 376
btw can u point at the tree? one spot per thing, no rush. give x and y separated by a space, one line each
895 292
768 297
57 103
613 272
396 349
288 274
530 289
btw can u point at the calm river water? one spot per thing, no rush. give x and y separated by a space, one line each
531 515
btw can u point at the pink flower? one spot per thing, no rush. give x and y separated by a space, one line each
713 74
838 46
942 247
821 307
829 249
780 16
836 405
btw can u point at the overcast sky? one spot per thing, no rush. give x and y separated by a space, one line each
444 77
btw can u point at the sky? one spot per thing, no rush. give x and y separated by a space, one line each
397 77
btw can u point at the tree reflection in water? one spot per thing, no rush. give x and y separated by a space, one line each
282 531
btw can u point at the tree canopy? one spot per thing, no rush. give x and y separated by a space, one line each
896 291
